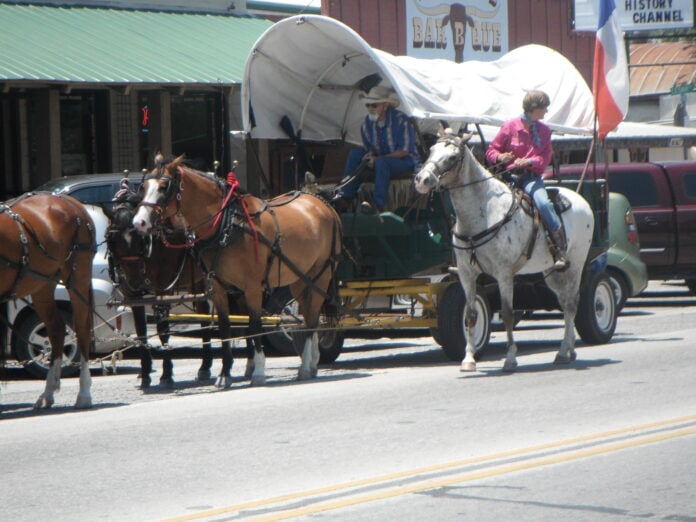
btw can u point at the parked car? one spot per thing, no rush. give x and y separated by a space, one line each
113 326
627 271
93 189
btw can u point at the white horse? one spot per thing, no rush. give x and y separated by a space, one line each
494 235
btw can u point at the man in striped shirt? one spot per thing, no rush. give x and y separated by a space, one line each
389 147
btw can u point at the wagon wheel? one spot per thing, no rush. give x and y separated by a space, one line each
451 333
596 317
330 341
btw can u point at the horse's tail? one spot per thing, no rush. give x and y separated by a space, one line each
4 334
332 303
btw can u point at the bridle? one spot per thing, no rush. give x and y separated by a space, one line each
172 190
172 193
137 263
450 164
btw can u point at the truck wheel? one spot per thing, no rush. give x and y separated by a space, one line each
450 322
596 317
330 341
32 347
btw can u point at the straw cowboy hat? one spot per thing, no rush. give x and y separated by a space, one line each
381 94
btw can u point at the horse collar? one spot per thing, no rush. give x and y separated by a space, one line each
490 232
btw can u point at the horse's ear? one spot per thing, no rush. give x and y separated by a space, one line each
465 138
106 209
445 132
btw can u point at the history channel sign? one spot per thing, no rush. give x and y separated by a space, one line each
638 15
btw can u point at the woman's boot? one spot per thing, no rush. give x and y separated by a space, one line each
558 246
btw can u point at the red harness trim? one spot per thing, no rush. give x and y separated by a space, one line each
234 191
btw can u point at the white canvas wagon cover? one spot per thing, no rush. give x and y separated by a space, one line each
308 68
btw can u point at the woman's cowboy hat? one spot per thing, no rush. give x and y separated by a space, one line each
381 94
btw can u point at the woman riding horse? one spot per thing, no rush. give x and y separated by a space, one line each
523 145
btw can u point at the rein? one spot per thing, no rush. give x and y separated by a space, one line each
464 185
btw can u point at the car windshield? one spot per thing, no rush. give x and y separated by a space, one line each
54 185
93 191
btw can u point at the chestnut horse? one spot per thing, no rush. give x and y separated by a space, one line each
251 245
49 240
143 266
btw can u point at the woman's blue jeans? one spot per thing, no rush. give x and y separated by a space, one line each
534 186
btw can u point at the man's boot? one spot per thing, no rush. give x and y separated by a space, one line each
558 247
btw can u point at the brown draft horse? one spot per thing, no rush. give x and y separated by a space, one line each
143 266
48 240
251 245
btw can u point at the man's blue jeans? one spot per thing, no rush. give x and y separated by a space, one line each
534 186
384 169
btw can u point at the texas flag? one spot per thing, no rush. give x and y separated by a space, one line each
610 75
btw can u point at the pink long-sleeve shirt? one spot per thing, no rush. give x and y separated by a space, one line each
514 137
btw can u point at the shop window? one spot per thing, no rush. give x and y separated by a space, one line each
197 128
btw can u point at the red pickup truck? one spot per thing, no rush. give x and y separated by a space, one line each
663 198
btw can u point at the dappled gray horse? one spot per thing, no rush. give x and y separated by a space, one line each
493 235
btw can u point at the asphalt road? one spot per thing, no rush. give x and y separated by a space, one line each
391 431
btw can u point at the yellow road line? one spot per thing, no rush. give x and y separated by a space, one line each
468 477
499 470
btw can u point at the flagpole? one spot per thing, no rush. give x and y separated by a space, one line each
589 153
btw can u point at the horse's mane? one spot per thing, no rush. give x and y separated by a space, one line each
174 163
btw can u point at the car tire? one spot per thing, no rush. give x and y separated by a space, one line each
620 286
596 317
280 342
450 322
31 346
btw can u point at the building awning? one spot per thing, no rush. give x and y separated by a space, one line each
663 68
120 47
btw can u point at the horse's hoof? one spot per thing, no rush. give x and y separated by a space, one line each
145 383
258 380
224 382
306 375
468 366
203 375
167 382
83 403
43 402
564 359
510 366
